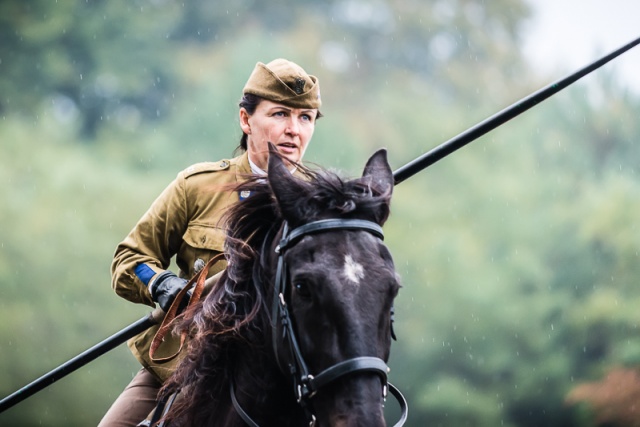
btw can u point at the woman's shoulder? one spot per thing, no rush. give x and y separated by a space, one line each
205 167
214 167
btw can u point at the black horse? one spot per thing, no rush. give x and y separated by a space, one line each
298 330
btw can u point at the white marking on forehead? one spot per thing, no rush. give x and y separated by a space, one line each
352 270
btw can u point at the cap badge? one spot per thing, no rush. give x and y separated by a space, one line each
298 86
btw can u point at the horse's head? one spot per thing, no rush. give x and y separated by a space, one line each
337 284
306 299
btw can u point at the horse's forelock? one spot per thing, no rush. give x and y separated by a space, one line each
327 195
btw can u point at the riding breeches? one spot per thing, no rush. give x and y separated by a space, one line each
135 403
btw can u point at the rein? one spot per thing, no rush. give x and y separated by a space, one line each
306 384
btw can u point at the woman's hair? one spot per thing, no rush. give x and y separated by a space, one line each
250 102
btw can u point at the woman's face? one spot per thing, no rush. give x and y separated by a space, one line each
289 129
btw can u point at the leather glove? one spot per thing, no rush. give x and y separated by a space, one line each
166 287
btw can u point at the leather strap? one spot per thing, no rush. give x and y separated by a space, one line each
404 406
162 409
165 326
349 366
402 401
329 224
245 417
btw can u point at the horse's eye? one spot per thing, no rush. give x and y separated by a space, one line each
302 289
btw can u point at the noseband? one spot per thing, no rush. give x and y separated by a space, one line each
306 384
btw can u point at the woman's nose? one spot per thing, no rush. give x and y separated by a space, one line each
293 127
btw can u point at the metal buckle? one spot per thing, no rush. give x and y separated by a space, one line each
304 391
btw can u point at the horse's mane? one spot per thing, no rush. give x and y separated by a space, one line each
228 328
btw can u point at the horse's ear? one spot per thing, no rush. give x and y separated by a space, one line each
379 172
286 188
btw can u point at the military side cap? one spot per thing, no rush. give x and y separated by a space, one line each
284 82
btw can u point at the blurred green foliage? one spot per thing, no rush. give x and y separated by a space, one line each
518 254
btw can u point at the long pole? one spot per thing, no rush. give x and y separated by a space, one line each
399 175
487 125
82 359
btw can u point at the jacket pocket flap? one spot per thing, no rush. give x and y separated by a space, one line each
204 237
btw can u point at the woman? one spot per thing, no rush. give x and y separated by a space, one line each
280 104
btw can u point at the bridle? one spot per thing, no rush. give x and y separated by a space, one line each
305 383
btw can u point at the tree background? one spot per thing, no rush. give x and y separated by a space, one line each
518 254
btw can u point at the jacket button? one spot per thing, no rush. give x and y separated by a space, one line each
198 265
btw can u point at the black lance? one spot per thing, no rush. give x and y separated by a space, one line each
501 117
153 318
406 171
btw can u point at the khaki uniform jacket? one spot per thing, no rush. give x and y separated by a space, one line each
185 222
